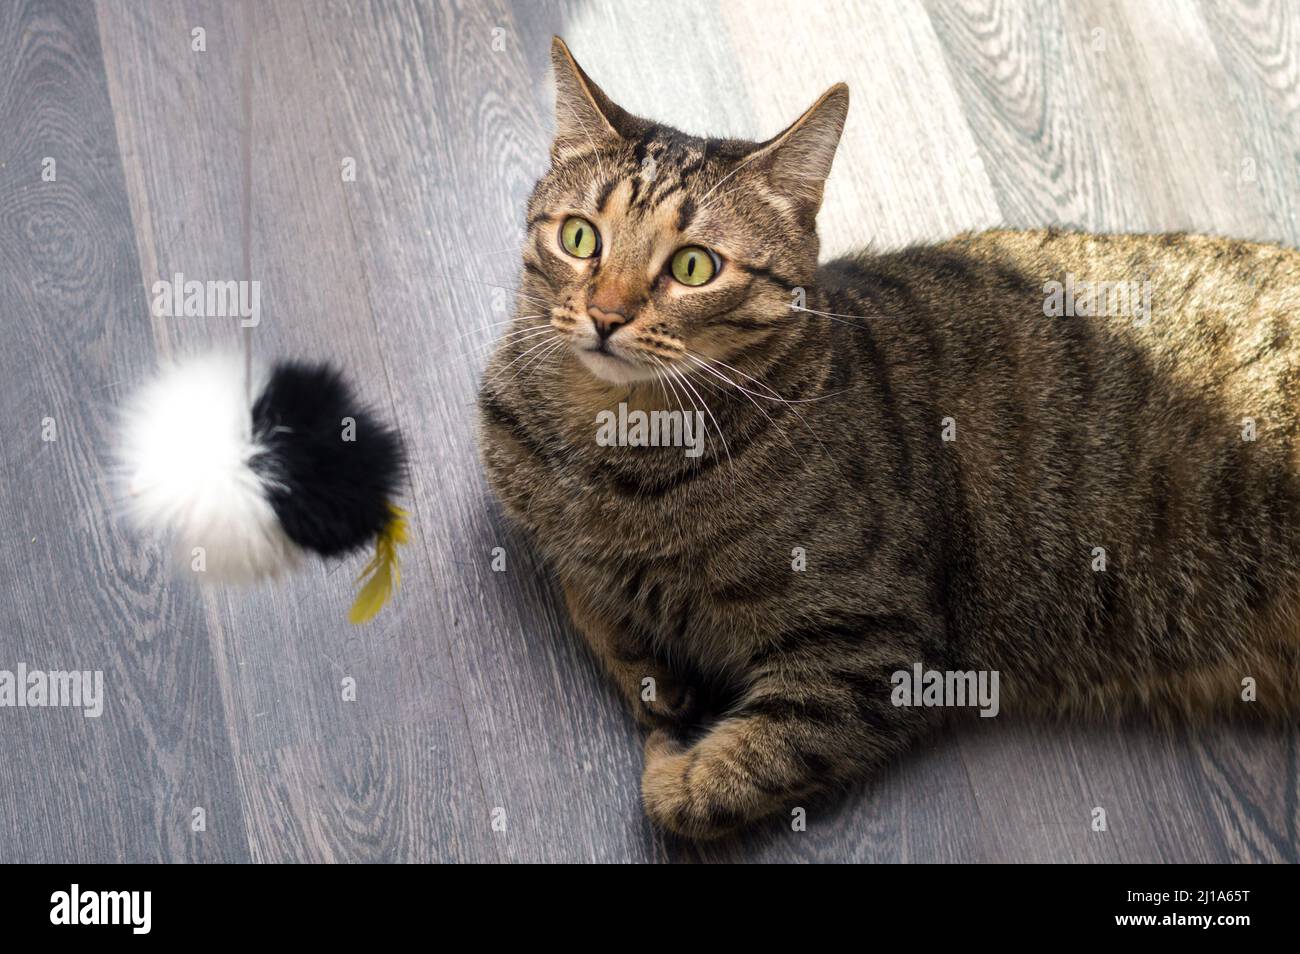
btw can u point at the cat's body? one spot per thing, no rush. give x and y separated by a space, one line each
920 466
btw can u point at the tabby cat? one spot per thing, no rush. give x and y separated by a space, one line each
915 461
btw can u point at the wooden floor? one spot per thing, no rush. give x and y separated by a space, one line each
475 701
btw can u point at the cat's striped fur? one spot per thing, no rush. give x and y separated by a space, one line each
826 438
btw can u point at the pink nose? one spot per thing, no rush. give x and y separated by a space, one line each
606 322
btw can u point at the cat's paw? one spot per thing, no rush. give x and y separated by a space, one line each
674 798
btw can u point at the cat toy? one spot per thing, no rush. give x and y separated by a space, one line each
247 470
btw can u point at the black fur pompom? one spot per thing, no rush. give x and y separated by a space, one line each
330 494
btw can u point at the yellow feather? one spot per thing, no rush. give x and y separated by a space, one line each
383 569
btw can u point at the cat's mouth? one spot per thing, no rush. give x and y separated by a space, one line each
608 365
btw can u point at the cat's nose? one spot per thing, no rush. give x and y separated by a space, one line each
606 322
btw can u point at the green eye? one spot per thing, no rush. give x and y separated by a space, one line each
579 237
694 265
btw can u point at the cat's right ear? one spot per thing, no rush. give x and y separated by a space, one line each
585 118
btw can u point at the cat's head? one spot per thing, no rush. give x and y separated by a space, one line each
646 245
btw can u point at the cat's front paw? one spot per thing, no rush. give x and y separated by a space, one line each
672 798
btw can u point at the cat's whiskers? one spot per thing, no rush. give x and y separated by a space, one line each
522 335
517 358
665 382
833 316
686 382
714 387
543 359
480 348
750 397
790 403
707 363
694 407
773 395
659 380
681 403
673 372
543 351
493 324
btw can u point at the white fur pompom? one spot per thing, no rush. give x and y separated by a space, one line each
187 442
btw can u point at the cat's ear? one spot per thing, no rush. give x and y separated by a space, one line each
584 116
798 160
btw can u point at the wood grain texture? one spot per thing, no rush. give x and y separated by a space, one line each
475 698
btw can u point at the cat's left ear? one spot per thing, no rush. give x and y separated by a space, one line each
799 159
584 116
